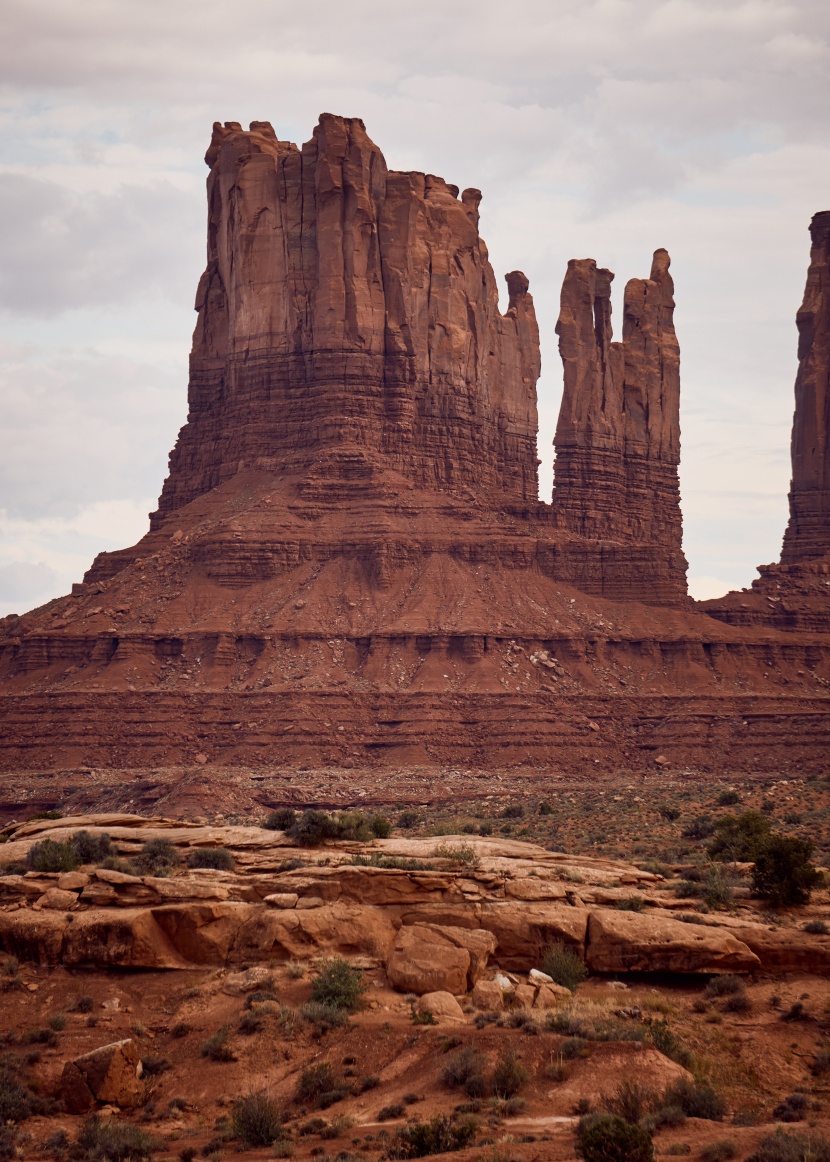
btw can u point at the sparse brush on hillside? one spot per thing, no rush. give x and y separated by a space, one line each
315 827
443 1134
256 1120
217 858
563 965
158 857
609 1138
338 985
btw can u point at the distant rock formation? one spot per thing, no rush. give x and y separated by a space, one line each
808 532
349 321
618 436
794 594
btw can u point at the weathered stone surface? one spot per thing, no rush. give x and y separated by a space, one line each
618 435
422 961
550 996
628 942
523 996
488 996
109 1074
523 932
57 900
441 1005
787 951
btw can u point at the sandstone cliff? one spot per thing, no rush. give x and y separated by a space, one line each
618 436
349 322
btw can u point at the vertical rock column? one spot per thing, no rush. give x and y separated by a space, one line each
618 436
808 531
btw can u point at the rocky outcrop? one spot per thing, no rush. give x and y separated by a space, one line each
349 326
808 532
627 942
618 435
110 1074
793 595
433 958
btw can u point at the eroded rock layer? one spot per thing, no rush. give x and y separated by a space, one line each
618 436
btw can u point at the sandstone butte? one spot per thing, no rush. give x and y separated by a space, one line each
349 565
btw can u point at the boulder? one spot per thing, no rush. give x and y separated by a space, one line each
111 1073
523 996
441 1005
631 942
523 931
57 900
783 950
236 984
550 996
423 961
487 996
282 900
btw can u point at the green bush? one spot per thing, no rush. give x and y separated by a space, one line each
407 820
509 1075
466 1071
791 1109
283 819
724 986
783 1147
816 928
666 1041
8 1143
157 857
114 1141
728 798
380 826
17 1102
320 1086
716 889
563 965
632 904
783 873
323 1016
699 828
92 848
695 1100
630 1101
217 1048
51 856
608 1138
256 1120
339 985
739 838
218 858
441 1135
463 854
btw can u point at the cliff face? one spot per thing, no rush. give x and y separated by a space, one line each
618 436
348 320
808 532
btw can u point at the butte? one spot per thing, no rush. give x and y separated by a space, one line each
349 565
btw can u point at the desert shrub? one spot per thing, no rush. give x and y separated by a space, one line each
728 798
463 854
715 888
724 986
632 904
51 856
563 965
422 1016
737 1003
791 1109
816 928
180 1029
679 1149
699 828
720 1151
320 1086
283 819
217 858
783 1147
783 873
157 857
91 848
796 1012
666 1041
250 1023
339 985
217 1047
396 1110
821 1062
509 1075
485 828
608 1138
17 1102
314 827
8 1143
440 1135
256 1120
380 826
466 1071
407 820
323 1016
371 1081
513 811
687 889
739 837
114 1141
695 1100
260 996
669 1117
556 1069
153 1066
53 814
40 1037
398 862
57 1022
630 1101
573 1047
82 1004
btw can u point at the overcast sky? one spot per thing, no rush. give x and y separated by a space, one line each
595 128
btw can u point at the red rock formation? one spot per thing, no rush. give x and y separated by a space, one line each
618 436
808 532
349 324
794 594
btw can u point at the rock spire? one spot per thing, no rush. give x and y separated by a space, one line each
349 321
808 532
618 436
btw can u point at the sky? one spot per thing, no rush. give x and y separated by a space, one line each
594 128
